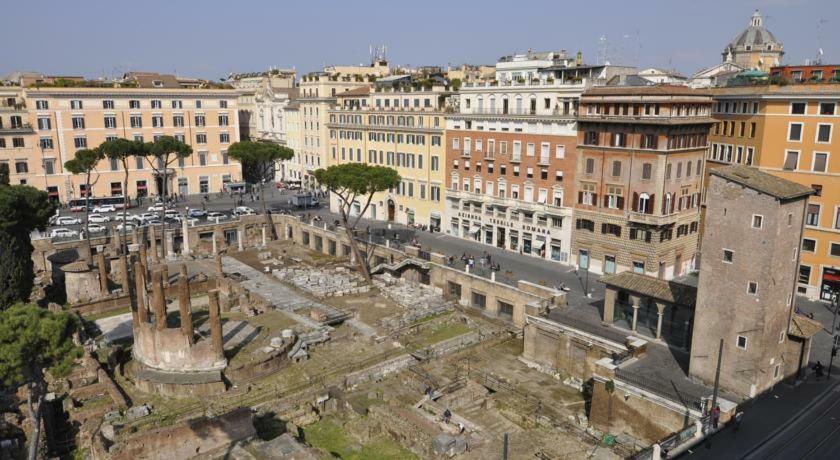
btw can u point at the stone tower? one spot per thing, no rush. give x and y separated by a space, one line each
748 270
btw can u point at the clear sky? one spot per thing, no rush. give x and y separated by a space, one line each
211 38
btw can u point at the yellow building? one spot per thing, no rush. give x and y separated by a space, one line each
789 131
402 128
61 121
755 47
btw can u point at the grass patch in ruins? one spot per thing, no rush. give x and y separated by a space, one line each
329 436
443 332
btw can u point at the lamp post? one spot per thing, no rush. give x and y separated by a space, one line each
835 304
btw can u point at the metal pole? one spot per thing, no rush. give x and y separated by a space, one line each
835 303
717 384
505 448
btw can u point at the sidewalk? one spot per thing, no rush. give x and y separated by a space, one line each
762 417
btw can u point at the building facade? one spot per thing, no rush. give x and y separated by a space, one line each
816 73
745 295
755 47
789 131
510 165
247 85
59 121
402 128
638 179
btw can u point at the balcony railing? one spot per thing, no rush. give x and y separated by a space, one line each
651 219
547 82
5 106
518 111
17 128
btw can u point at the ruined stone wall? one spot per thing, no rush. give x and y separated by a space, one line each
170 350
188 439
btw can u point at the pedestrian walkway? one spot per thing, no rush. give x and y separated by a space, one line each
762 417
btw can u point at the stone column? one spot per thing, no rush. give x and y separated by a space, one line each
153 239
159 300
216 324
184 304
660 307
185 237
219 269
103 274
215 245
164 269
635 312
240 234
144 257
123 263
135 238
609 305
140 287
263 235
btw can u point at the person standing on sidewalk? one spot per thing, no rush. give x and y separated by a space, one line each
715 416
738 417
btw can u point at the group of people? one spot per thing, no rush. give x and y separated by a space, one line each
485 260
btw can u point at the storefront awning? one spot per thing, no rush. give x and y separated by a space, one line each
435 215
474 230
538 245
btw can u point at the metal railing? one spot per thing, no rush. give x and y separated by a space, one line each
666 390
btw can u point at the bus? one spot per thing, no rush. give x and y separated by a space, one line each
78 204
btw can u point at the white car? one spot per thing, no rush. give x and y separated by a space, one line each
126 225
118 217
104 208
63 233
95 228
98 218
243 211
67 220
144 217
157 207
215 215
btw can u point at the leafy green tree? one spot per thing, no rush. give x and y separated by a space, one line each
261 159
356 181
160 155
33 339
22 209
84 162
121 150
4 174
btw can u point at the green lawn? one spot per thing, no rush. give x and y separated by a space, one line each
443 332
329 436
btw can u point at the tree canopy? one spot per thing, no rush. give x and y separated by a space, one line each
84 161
259 158
24 208
351 180
120 148
33 338
165 146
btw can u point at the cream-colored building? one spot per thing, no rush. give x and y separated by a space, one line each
292 171
247 85
56 122
402 128
755 47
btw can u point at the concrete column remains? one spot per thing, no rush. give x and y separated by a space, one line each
216 324
123 263
184 304
159 300
240 234
609 305
185 237
144 258
219 265
164 271
635 313
153 239
103 274
215 245
263 235
140 288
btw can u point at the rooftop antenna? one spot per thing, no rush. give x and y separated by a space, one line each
602 50
818 61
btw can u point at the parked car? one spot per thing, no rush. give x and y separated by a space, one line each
67 220
128 226
216 215
242 211
154 221
96 228
141 218
104 208
157 207
98 218
198 213
63 233
119 217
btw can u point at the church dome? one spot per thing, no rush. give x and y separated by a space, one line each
755 37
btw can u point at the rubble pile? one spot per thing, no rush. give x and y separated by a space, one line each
323 282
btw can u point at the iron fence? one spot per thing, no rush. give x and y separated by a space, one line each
667 390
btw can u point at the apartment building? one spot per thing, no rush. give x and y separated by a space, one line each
401 127
59 121
18 145
789 131
510 165
318 93
638 179
815 73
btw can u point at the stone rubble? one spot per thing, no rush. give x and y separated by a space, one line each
420 300
323 282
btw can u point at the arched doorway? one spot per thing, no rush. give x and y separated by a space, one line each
391 210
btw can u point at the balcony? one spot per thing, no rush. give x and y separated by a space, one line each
651 219
23 128
15 107
544 161
516 158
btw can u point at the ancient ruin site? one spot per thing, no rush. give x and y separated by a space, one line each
235 346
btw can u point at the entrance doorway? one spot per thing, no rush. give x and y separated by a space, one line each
500 237
830 284
392 210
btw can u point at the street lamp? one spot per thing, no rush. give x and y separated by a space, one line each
835 305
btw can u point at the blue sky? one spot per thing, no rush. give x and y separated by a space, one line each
211 38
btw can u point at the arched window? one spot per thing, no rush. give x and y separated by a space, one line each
644 203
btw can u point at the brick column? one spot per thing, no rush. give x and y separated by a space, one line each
216 324
144 257
140 287
153 239
103 274
159 300
123 263
184 304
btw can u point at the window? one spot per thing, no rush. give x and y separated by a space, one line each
795 132
44 123
638 267
223 120
199 120
21 167
804 274
834 250
798 108
157 121
49 166
197 104
201 138
646 171
823 133
223 104
590 166
791 160
76 104
809 245
18 142
559 151
178 120
752 288
741 342
46 143
176 104
820 160
42 105
616 168
136 121
727 256
202 158
80 142
156 104
812 214
78 122
827 108
110 121
133 104
456 143
757 221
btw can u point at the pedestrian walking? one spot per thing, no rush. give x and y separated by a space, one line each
447 415
818 370
715 416
738 417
